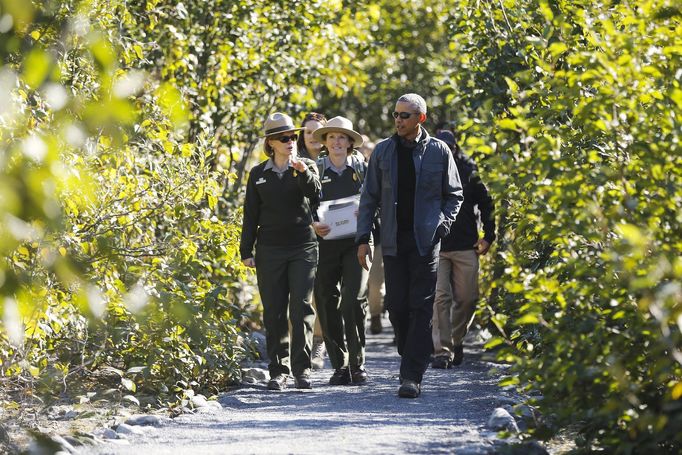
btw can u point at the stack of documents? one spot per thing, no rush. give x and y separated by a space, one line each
341 215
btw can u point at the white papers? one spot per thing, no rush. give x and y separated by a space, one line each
341 216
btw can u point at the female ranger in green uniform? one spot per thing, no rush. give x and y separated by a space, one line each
341 283
277 218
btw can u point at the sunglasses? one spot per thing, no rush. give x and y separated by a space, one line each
403 115
285 139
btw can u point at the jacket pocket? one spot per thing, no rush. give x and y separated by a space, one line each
385 167
431 178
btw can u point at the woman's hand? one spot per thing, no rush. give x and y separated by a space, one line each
321 229
298 165
249 262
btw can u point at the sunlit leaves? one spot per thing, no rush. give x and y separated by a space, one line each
36 67
584 159
18 14
172 104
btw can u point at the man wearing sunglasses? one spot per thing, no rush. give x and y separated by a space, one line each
412 179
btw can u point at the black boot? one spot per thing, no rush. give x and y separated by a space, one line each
458 356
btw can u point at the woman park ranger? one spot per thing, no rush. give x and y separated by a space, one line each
278 219
309 147
341 283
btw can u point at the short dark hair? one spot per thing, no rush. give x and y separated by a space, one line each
415 100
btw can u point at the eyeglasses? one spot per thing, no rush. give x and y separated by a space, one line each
285 139
403 115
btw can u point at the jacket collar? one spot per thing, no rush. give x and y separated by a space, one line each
422 138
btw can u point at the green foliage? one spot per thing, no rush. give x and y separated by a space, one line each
572 110
128 133
122 218
579 137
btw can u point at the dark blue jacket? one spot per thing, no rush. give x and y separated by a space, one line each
464 232
437 200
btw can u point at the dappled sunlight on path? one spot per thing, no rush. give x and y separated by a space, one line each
449 416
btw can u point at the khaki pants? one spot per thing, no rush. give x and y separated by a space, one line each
455 302
317 332
375 284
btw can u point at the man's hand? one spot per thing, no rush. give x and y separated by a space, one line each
249 262
363 252
482 247
321 229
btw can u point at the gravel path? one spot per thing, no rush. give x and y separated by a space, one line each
449 417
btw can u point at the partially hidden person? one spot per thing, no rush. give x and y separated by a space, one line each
375 283
457 289
309 147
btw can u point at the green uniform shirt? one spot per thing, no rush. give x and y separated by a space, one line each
277 209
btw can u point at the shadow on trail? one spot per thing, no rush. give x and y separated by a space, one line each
449 416
450 413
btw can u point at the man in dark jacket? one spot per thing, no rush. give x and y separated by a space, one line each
457 284
413 179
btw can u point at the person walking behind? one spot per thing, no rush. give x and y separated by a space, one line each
278 220
375 282
309 147
457 283
413 178
341 283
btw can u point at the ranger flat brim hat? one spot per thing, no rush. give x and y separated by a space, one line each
339 125
278 123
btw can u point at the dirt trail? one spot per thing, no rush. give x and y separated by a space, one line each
449 417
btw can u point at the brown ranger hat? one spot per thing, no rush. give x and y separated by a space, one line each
340 125
278 123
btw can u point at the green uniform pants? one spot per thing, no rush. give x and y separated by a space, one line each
341 296
285 282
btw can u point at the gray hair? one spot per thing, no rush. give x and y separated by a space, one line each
415 100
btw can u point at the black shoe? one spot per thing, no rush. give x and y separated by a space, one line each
302 381
441 362
279 382
340 377
358 375
409 389
375 327
459 355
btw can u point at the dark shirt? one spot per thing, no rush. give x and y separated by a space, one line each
406 185
277 210
337 186
464 232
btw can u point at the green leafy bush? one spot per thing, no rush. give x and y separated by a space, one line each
582 149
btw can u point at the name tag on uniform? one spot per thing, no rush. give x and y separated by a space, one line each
260 180
326 180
